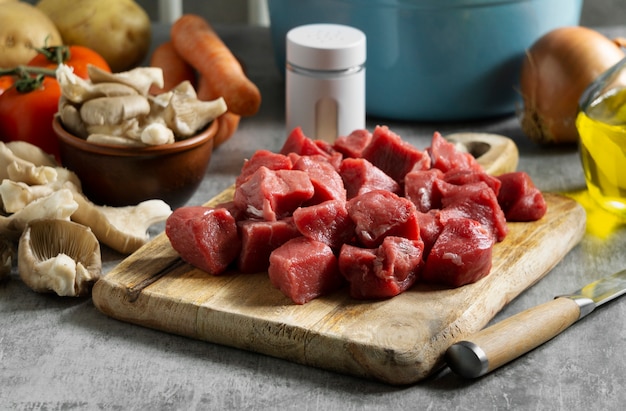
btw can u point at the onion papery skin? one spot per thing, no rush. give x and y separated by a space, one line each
556 70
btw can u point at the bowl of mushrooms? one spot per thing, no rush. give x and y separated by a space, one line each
127 145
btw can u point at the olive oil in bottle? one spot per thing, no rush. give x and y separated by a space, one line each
602 130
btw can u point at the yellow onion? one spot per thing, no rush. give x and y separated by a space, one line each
556 70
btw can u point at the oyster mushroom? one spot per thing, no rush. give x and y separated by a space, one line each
59 256
11 164
58 205
15 195
70 118
78 90
186 115
31 153
157 133
140 78
124 229
109 139
129 129
113 110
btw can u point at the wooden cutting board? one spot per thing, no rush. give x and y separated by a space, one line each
398 341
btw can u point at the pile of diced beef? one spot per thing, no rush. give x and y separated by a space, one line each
370 212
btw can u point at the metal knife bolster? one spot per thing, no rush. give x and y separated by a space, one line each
586 304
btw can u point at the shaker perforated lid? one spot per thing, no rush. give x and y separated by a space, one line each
326 47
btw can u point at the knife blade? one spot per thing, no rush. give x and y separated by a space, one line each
501 343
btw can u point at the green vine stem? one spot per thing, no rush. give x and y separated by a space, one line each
30 78
55 54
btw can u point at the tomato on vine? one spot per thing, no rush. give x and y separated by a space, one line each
27 116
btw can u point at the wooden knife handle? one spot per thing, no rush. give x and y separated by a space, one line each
497 345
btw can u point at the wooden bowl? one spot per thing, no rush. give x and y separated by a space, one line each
120 176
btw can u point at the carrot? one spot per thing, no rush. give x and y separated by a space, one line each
227 125
195 41
175 68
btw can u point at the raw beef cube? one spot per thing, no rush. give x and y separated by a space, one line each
461 255
462 177
360 176
446 157
476 201
304 269
326 181
381 272
273 194
391 154
327 222
237 213
298 143
420 188
259 239
377 214
352 145
272 161
327 147
430 228
520 199
204 237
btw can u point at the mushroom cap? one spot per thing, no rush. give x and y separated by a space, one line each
59 256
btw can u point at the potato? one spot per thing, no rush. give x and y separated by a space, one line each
22 27
119 30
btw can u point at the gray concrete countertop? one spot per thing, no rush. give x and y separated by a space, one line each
61 354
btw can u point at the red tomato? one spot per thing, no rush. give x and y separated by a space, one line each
28 116
5 83
79 57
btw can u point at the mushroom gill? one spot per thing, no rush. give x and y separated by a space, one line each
59 256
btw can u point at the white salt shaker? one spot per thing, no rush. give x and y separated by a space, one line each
325 80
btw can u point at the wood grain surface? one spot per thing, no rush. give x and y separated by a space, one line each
398 341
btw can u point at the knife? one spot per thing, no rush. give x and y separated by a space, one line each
503 342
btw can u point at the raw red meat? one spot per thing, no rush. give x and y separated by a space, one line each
326 181
446 157
420 188
520 199
360 176
381 272
430 228
259 239
462 177
296 208
475 201
391 154
461 255
204 237
235 211
327 222
273 194
271 160
378 214
297 142
304 269
352 145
